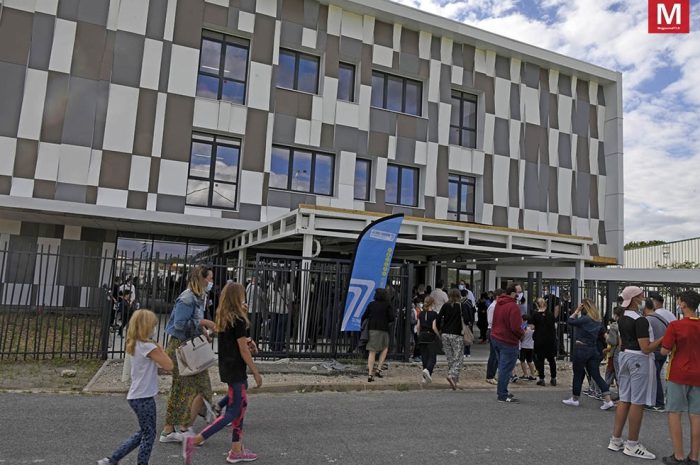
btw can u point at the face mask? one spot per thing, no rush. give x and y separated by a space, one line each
461 287
210 286
519 296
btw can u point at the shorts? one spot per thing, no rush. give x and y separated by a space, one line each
378 340
527 355
682 398
637 379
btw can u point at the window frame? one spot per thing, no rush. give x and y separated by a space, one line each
312 175
404 80
343 64
297 56
463 181
401 168
224 40
368 187
213 140
462 97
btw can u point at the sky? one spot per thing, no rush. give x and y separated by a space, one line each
661 93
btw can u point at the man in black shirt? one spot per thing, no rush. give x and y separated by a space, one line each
637 376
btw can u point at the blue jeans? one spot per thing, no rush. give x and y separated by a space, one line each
507 358
660 402
492 364
587 359
145 410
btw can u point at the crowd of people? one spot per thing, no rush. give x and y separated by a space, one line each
635 346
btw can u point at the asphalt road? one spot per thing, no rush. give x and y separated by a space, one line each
407 428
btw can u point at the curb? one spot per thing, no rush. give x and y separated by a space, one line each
96 376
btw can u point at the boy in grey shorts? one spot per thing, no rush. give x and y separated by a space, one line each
683 387
637 377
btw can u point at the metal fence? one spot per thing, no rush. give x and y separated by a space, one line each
54 304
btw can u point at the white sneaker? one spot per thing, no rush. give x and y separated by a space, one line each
638 451
607 405
173 436
104 461
571 402
616 445
426 376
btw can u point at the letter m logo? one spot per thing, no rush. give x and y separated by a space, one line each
669 16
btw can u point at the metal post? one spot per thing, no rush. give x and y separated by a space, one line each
409 272
610 297
530 286
305 275
539 290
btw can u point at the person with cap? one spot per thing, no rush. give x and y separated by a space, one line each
683 387
637 383
658 301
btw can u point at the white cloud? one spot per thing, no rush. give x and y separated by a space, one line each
661 126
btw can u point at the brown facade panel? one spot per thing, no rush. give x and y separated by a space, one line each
145 122
26 158
177 131
115 170
15 36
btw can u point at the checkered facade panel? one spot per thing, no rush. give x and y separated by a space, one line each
100 105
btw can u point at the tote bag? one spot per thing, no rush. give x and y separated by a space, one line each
194 356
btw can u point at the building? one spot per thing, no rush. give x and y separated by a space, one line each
171 126
678 254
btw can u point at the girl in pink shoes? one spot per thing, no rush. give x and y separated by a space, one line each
147 357
232 324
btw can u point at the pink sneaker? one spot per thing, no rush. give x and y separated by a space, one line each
188 449
244 456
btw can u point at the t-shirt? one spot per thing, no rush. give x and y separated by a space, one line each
451 318
665 314
632 327
545 330
657 327
489 313
232 368
527 341
144 372
426 320
681 339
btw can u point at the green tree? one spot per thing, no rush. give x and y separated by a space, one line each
641 244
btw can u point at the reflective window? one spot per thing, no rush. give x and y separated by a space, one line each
402 185
213 178
463 119
396 93
223 68
298 71
301 170
363 178
346 82
462 194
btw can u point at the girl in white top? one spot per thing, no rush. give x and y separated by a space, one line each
147 357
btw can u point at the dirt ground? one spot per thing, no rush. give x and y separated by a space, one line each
46 375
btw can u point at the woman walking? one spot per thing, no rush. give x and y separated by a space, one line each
482 317
545 338
147 355
380 315
188 393
428 335
233 325
587 328
451 320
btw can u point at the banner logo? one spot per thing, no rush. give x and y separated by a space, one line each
669 16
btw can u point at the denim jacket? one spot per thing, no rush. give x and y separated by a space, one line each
186 316
587 329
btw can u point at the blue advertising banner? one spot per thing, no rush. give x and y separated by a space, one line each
370 267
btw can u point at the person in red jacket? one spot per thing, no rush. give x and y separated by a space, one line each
506 332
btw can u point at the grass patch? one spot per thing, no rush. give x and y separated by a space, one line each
46 374
35 334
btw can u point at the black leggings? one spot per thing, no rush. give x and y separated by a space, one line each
429 356
549 354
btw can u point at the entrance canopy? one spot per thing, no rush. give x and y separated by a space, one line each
336 230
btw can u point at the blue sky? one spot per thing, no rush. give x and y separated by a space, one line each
661 93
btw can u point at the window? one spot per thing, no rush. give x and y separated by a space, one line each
363 175
397 93
346 82
463 120
298 71
223 67
301 170
461 204
402 185
213 173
